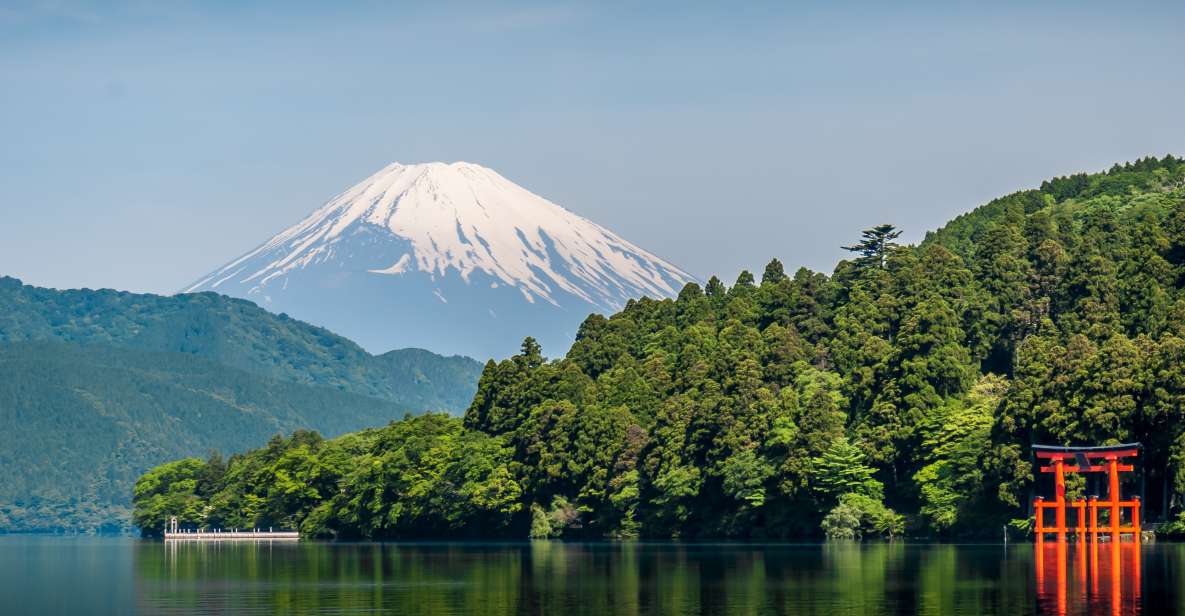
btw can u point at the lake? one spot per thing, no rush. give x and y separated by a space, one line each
87 575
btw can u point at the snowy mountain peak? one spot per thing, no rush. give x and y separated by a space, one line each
450 222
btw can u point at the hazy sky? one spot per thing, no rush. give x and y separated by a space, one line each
145 143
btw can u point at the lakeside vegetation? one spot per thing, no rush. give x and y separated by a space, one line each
898 395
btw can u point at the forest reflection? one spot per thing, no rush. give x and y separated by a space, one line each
640 578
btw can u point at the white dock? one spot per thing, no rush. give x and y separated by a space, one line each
233 535
173 532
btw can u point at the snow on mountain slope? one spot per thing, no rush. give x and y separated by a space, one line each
452 257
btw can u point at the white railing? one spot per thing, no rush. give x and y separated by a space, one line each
177 534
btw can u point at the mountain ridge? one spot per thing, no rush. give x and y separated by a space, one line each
234 332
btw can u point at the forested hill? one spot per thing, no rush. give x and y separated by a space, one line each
79 423
238 334
898 394
97 386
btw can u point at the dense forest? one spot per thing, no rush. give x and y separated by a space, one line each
98 386
900 394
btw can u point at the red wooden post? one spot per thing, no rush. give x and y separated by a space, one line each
1135 574
1113 495
1039 510
1061 574
1059 491
1116 577
1094 569
1080 563
1136 519
1080 513
1040 562
1094 519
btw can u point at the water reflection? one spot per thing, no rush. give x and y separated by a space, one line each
60 575
573 579
1106 577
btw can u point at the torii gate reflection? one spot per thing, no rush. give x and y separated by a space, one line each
1104 584
1114 581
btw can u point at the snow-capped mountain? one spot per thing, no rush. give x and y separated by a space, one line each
450 257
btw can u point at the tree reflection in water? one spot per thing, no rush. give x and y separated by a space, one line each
574 579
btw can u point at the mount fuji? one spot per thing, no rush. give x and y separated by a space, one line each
449 257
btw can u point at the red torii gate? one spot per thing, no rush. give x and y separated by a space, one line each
1086 460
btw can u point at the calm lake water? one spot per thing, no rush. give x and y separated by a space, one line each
53 575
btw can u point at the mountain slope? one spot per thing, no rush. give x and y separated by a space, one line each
81 422
237 334
1126 189
452 257
96 386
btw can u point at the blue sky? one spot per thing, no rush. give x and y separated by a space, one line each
145 143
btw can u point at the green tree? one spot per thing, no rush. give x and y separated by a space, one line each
841 470
169 490
957 441
876 245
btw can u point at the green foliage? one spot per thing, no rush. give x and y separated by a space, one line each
841 470
914 377
876 245
857 516
168 490
957 441
1174 529
422 476
540 523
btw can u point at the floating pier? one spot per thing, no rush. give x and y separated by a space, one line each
174 533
